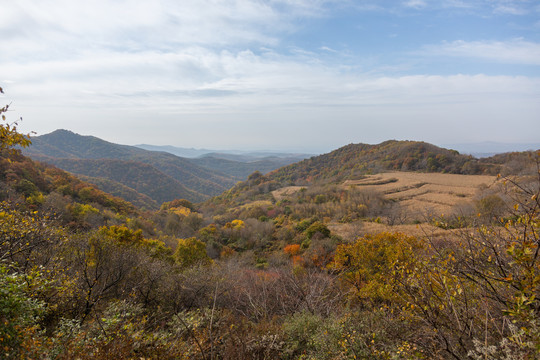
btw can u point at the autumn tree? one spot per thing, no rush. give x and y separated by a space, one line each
370 265
191 251
9 135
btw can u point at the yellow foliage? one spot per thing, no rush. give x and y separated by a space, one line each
191 251
122 234
369 264
180 210
235 224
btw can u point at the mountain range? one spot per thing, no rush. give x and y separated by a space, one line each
158 175
148 178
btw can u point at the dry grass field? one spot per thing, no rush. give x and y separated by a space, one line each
425 193
421 197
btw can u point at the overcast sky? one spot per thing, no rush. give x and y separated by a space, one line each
292 75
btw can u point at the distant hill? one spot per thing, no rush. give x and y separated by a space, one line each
178 151
241 169
235 163
235 155
172 176
491 148
354 160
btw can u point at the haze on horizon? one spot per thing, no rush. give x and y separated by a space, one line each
294 75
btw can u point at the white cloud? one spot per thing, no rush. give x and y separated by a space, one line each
64 28
416 4
460 4
210 69
199 80
326 48
516 51
512 10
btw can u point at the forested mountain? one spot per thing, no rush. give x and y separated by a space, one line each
183 178
354 160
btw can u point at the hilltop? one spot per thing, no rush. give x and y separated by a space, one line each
355 160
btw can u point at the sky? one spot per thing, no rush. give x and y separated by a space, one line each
288 75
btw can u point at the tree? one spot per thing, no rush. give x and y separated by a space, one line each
370 265
191 251
317 227
9 136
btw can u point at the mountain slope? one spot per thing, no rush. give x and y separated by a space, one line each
42 185
142 178
199 182
120 190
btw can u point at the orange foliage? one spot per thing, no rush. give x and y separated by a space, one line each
226 252
292 249
298 260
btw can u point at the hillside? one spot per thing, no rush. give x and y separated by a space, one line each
142 178
354 160
184 178
117 189
36 186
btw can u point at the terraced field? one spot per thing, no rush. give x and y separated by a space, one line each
420 196
428 193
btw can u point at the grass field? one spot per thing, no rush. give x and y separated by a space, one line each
425 193
421 196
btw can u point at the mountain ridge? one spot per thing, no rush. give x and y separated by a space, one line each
64 144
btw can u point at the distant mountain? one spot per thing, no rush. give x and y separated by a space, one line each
234 155
178 151
235 163
490 148
173 176
242 169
